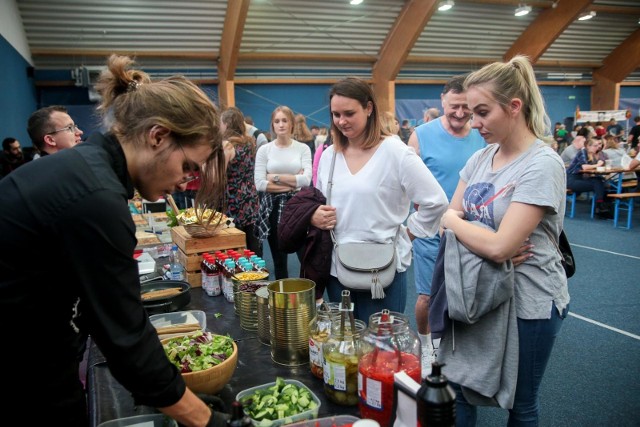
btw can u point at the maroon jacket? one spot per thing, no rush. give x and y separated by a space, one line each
295 231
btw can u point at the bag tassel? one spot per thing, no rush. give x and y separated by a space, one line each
377 292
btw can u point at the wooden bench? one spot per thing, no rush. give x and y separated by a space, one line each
572 198
623 201
630 184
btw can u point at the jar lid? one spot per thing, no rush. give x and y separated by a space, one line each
366 423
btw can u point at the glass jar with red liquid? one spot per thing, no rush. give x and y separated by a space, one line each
387 346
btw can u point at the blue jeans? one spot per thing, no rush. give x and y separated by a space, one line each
536 338
395 298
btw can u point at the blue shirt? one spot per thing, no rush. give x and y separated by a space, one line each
444 154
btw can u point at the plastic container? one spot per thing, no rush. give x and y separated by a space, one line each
178 318
307 415
335 421
436 400
148 420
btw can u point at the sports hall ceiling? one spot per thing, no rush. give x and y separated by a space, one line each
312 40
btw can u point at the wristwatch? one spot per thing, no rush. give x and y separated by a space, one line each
276 178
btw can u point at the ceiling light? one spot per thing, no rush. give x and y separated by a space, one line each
446 5
356 2
523 10
586 16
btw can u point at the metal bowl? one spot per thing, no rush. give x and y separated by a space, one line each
166 304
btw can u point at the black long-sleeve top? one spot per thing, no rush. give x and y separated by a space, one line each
66 218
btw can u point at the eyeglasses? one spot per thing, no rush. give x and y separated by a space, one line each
70 128
188 167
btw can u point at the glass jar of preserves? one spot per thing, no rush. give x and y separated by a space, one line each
319 331
387 346
340 352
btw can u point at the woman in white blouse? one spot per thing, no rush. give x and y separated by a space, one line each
283 166
375 178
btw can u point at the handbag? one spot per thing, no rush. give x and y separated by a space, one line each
566 254
363 265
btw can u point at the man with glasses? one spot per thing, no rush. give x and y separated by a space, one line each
52 129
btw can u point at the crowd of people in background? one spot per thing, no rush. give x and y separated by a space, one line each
485 172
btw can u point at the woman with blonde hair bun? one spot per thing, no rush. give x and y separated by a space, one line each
159 134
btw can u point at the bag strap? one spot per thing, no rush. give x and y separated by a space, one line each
329 187
553 240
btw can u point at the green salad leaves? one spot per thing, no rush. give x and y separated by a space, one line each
198 351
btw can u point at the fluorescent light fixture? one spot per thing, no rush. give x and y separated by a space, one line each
586 16
356 2
523 10
446 5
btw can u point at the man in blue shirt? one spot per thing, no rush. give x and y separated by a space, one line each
444 145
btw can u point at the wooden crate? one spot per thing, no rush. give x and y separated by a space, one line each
190 249
227 238
194 278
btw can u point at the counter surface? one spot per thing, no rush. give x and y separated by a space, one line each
108 400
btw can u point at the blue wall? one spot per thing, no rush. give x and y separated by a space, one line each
257 101
18 94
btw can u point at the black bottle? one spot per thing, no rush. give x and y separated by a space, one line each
436 400
238 417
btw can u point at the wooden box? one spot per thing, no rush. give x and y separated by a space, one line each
190 249
227 238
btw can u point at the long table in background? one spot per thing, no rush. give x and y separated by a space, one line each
108 400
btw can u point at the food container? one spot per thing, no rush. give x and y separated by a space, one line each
262 298
335 421
212 380
247 304
166 304
148 420
387 346
292 305
178 323
307 415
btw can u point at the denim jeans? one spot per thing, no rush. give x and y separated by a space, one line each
536 340
395 298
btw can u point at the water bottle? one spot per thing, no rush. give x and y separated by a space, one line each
176 270
436 400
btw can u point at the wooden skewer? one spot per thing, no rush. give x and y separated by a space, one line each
173 205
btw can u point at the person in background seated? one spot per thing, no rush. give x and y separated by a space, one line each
516 188
283 166
615 129
634 134
74 206
376 176
52 129
613 150
587 159
11 157
242 197
577 144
